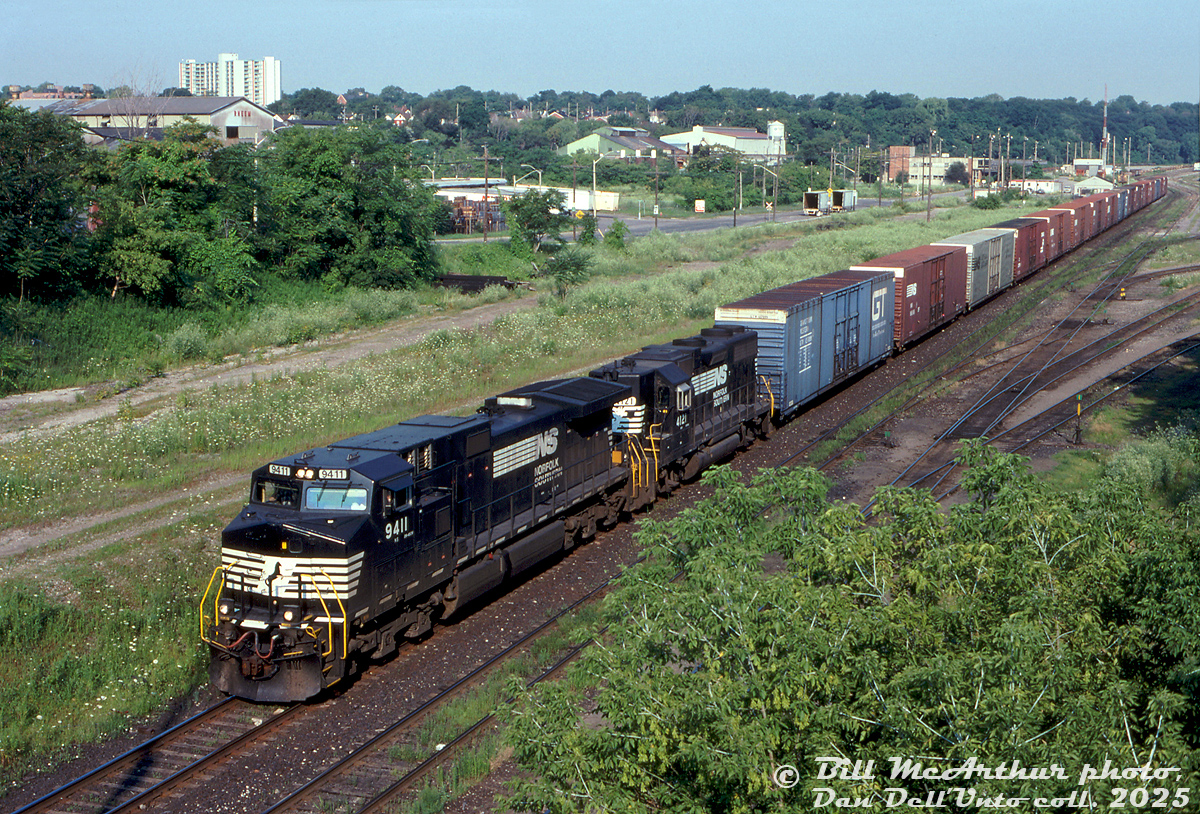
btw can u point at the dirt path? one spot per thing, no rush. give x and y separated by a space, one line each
26 413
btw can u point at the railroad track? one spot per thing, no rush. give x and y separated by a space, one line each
164 763
1022 384
1040 367
180 763
972 350
366 778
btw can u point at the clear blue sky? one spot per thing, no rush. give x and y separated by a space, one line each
1149 50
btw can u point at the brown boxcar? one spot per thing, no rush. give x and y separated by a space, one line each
1079 221
931 288
1056 231
1029 255
1106 209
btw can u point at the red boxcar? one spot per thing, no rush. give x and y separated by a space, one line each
1074 227
1029 254
1106 208
1057 232
931 288
1141 192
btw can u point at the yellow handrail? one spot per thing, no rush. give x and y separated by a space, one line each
320 598
345 621
328 617
216 599
635 461
766 381
654 447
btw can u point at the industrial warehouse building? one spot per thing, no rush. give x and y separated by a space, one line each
234 118
761 148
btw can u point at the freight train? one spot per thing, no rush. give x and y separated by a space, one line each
346 550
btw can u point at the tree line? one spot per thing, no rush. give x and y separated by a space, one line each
1164 134
190 220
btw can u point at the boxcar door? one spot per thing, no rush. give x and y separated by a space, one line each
845 334
937 292
993 265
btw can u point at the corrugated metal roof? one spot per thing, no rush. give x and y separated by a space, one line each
736 132
644 143
149 105
908 257
795 294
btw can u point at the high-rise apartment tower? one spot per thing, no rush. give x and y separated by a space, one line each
256 79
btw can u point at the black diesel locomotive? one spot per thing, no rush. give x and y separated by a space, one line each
346 549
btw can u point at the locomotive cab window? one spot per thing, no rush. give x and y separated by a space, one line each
683 397
336 498
395 500
664 398
275 493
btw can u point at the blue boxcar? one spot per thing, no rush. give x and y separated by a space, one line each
816 333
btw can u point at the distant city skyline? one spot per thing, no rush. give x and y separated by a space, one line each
939 49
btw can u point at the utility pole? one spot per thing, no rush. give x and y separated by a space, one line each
1024 165
655 154
929 193
971 167
486 211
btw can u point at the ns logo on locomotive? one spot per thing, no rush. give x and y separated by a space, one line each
345 550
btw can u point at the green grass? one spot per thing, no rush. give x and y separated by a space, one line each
1125 437
97 644
1179 250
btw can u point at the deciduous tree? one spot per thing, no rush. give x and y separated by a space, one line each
41 208
1020 627
537 218
347 206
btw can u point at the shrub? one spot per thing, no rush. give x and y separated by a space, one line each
188 341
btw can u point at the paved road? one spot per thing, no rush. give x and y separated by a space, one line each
639 227
701 223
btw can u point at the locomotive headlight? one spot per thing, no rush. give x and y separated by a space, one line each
307 474
224 609
289 616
